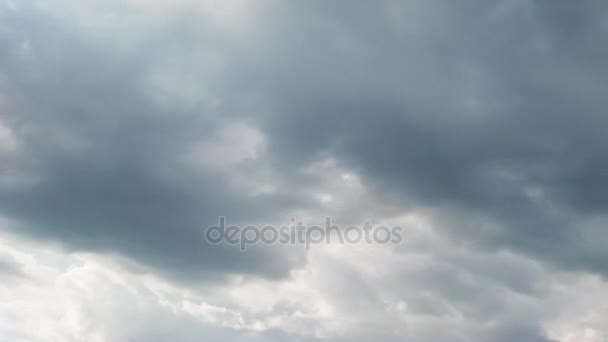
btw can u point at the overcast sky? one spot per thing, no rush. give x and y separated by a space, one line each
479 127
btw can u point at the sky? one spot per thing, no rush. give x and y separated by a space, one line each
476 126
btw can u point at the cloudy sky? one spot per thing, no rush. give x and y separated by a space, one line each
479 127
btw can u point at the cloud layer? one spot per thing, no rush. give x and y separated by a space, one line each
127 127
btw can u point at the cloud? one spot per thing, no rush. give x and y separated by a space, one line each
112 169
127 127
343 293
479 121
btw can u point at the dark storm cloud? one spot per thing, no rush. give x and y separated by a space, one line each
492 113
487 109
105 158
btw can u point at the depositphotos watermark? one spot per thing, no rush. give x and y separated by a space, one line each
299 234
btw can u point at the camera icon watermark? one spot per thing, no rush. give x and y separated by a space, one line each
297 233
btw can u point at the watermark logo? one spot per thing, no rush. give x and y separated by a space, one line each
298 233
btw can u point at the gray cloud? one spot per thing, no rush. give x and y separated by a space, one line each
106 163
503 116
132 128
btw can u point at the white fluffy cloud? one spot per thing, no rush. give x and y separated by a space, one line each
344 293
